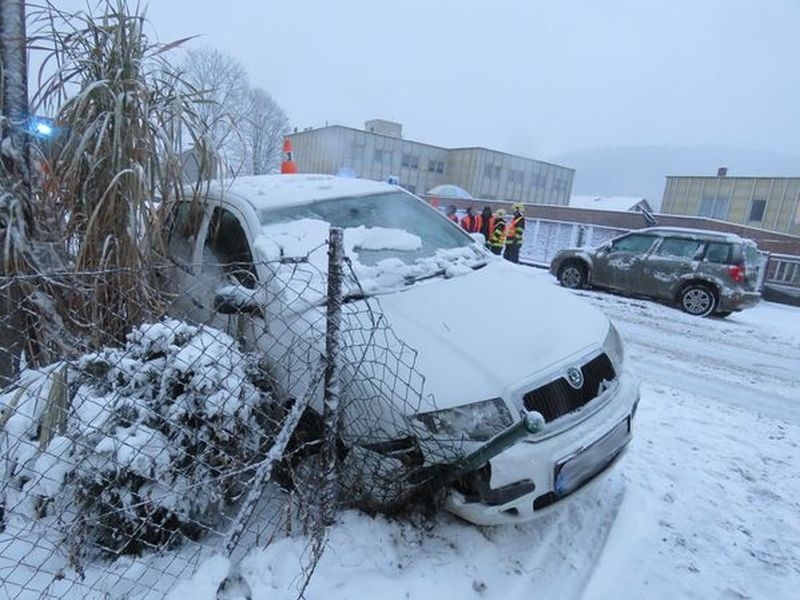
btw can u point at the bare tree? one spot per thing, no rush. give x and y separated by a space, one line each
223 84
245 125
264 128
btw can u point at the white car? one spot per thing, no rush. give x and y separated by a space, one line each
495 347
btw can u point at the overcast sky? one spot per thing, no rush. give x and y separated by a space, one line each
532 77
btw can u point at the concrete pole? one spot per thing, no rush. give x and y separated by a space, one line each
13 51
15 156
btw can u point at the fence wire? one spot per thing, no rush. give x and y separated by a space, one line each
200 432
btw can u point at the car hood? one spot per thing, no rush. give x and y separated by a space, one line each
493 330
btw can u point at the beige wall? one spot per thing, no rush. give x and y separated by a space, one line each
733 199
484 173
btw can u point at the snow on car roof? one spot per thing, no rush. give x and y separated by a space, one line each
720 235
270 191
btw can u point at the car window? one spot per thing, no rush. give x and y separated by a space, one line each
680 248
718 252
183 225
227 242
633 243
394 210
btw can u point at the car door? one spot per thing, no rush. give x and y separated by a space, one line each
186 223
618 264
672 260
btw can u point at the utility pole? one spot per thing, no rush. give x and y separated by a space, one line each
15 171
13 51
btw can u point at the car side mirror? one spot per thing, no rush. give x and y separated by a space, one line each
234 299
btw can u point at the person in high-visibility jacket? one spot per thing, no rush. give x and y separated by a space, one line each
516 227
471 222
497 237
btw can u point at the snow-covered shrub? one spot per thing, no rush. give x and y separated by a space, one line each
156 444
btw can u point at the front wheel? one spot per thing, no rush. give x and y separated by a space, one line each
697 299
572 275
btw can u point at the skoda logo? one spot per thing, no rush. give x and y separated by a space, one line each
575 377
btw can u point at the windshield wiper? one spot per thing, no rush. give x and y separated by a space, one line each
412 279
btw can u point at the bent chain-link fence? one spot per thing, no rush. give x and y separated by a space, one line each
201 432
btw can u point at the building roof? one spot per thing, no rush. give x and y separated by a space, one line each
618 203
311 130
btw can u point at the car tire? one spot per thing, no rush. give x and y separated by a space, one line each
697 299
572 275
723 313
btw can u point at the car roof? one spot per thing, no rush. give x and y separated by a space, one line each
688 232
275 191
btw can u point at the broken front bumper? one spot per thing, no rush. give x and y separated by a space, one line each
533 474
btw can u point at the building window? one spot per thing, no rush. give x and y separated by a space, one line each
757 210
714 208
516 176
491 171
431 166
440 167
538 180
410 161
358 151
382 156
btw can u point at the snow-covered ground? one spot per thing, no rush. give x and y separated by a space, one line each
705 504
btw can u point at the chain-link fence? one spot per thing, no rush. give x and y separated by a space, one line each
232 416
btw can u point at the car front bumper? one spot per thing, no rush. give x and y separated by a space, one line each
535 473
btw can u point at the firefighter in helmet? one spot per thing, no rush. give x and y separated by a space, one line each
516 227
497 236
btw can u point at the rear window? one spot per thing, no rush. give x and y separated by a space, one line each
718 252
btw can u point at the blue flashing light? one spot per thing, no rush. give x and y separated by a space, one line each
42 128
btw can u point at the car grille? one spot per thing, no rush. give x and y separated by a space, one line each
559 398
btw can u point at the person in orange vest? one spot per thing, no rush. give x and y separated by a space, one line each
471 222
497 238
516 227
450 213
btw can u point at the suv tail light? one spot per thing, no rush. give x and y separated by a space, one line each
736 273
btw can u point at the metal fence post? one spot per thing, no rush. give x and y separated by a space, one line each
332 408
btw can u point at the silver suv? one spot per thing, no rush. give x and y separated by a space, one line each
703 272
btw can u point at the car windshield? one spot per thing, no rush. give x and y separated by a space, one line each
391 238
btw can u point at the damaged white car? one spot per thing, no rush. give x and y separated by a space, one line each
516 394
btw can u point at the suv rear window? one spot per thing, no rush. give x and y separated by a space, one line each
718 252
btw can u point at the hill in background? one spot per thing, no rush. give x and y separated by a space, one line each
641 170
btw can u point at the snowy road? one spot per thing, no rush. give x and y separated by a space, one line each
751 359
705 504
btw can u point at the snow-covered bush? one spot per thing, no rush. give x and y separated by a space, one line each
156 442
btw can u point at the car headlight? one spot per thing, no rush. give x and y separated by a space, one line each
614 348
478 422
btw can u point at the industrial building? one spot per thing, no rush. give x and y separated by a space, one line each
379 152
770 203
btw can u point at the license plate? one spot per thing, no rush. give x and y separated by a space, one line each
572 472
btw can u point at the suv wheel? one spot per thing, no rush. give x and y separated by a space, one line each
572 275
697 299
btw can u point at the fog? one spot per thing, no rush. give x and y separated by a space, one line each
535 78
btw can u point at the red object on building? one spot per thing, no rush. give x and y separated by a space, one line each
288 165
